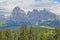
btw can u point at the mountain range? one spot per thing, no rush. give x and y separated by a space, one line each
42 17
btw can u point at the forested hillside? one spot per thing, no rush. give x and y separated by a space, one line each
30 33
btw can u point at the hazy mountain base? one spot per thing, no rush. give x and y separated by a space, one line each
14 25
30 33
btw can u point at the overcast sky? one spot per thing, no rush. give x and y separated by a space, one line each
52 5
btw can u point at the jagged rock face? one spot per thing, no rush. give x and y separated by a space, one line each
18 15
33 16
36 17
42 17
46 15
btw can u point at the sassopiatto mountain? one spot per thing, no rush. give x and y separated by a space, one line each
36 16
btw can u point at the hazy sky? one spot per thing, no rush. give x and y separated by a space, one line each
52 5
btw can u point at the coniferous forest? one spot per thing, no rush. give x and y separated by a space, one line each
30 33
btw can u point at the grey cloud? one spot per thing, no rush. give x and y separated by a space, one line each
43 5
4 3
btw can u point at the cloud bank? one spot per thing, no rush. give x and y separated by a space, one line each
52 5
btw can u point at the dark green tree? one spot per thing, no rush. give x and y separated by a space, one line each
15 36
23 33
32 34
2 36
8 34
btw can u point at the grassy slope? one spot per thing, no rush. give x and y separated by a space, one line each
2 23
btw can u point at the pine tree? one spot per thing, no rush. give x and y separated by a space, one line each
8 34
15 36
32 34
2 36
57 33
23 33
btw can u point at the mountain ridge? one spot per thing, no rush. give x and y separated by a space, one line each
35 17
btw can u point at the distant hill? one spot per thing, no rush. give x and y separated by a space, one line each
54 23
